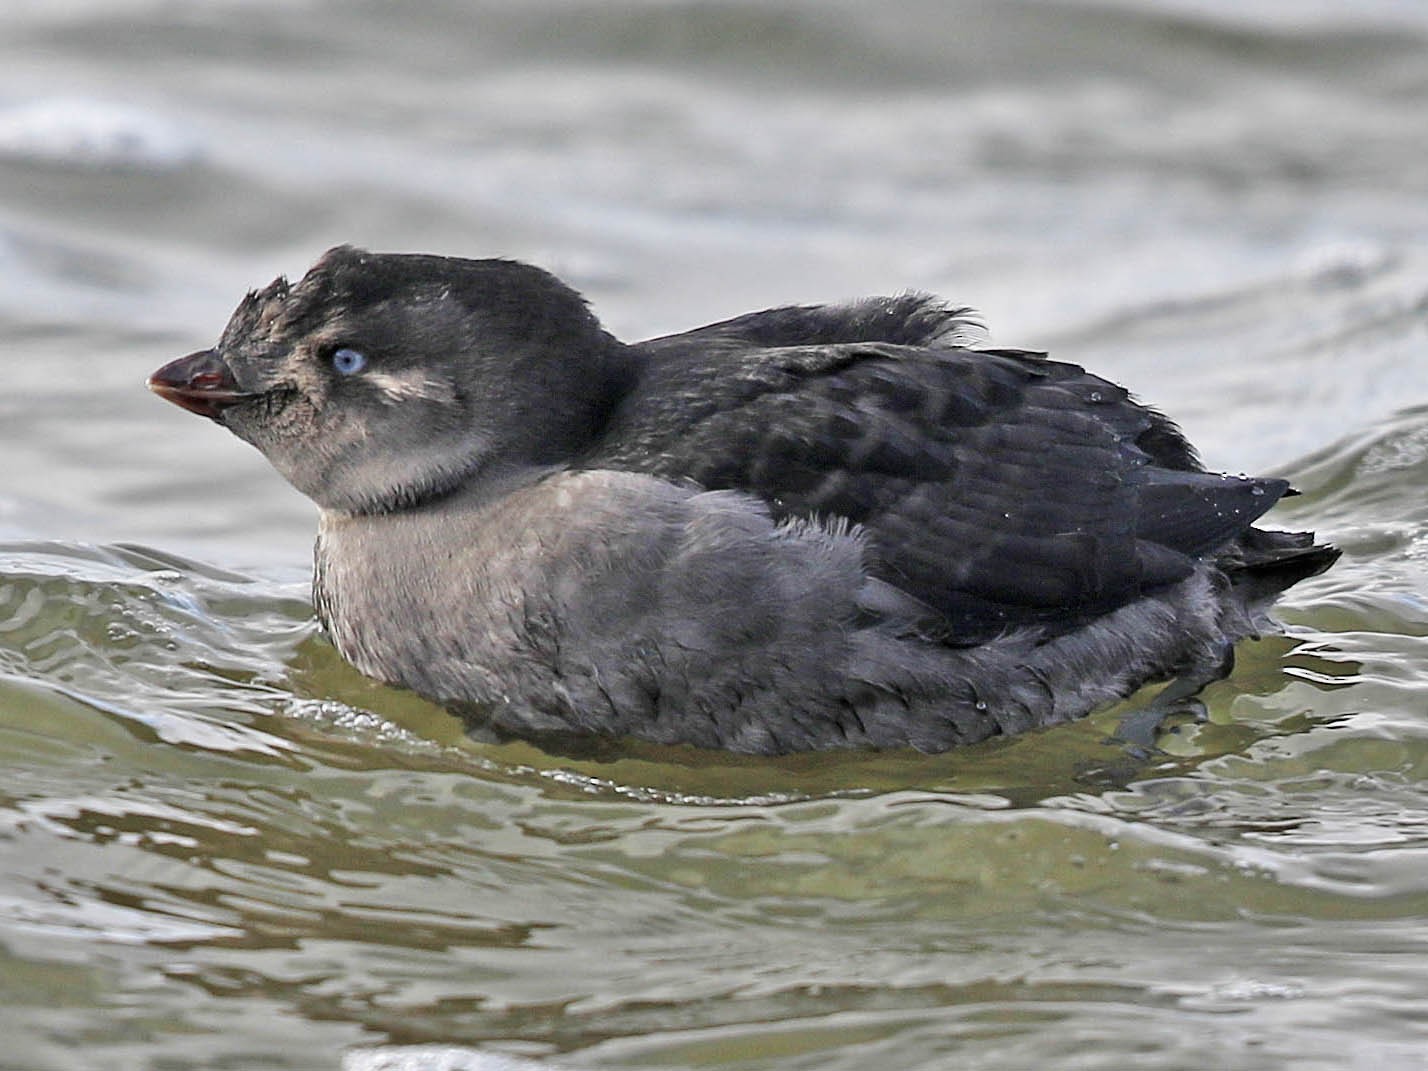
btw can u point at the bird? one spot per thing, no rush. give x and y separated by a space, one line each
852 525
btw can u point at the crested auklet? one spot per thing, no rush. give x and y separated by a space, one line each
816 527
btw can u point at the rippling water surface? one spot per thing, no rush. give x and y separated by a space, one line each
220 847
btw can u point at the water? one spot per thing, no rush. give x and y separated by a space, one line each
220 847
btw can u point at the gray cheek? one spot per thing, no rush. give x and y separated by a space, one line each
299 440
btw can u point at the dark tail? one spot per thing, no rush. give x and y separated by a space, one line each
1261 564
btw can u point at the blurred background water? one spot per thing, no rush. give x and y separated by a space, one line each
219 847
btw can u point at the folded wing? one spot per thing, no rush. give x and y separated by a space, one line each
998 488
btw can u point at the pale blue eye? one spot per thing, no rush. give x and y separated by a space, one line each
348 362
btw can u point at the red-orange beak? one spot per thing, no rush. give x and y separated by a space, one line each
201 383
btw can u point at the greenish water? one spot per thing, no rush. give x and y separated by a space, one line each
222 848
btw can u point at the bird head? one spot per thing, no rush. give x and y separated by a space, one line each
380 380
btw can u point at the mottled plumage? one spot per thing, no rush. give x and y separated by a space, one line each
801 528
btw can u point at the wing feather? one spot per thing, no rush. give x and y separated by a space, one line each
996 487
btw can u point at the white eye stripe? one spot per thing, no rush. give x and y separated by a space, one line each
399 386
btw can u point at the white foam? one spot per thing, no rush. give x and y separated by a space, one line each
435 1058
84 132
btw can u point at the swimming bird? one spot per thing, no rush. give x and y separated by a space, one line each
832 526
